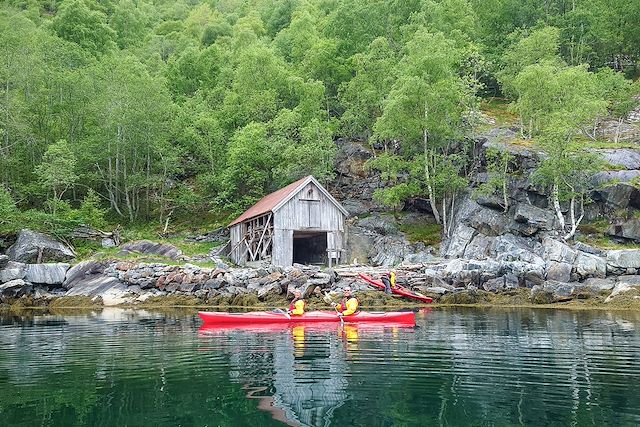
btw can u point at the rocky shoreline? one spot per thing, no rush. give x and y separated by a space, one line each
457 281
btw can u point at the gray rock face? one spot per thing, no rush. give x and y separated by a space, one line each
14 289
33 247
587 265
582 247
558 271
625 157
81 272
624 258
455 247
628 230
4 260
617 196
355 207
46 274
12 271
514 248
358 245
539 218
97 286
351 157
272 289
491 202
624 284
557 251
151 248
488 221
381 224
599 285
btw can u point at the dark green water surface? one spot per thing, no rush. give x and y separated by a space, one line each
458 367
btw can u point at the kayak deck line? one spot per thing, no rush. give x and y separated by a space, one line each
397 290
266 317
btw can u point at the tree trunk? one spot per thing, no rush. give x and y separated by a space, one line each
444 216
617 135
556 206
575 223
451 211
427 172
505 197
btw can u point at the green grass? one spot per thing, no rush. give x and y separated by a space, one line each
605 242
429 234
594 233
603 144
498 109
190 248
599 226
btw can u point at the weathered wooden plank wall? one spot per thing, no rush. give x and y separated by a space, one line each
303 212
282 247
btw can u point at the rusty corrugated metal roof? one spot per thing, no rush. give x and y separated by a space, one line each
270 201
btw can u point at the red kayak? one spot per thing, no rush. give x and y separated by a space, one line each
266 317
398 290
313 327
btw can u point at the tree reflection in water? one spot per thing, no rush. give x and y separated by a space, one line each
303 376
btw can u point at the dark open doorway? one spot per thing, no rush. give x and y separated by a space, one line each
310 247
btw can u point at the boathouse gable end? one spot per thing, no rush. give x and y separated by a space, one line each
300 223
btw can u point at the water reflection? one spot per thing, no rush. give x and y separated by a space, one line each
459 367
301 376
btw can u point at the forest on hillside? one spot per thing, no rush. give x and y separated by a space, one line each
138 111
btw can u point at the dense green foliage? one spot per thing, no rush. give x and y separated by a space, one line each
155 109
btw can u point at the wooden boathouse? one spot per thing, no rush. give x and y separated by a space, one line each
300 223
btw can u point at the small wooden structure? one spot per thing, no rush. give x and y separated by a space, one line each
299 223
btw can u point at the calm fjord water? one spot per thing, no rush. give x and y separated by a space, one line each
459 367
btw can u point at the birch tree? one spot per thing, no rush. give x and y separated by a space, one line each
426 110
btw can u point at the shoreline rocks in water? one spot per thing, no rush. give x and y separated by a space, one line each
455 281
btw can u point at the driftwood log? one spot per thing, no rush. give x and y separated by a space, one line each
90 233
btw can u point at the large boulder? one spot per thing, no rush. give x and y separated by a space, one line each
627 229
615 190
597 285
487 221
623 259
553 291
515 248
587 265
148 247
33 247
97 286
14 289
270 290
557 251
558 271
46 274
12 271
4 260
624 285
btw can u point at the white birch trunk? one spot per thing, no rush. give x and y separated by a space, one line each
556 206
